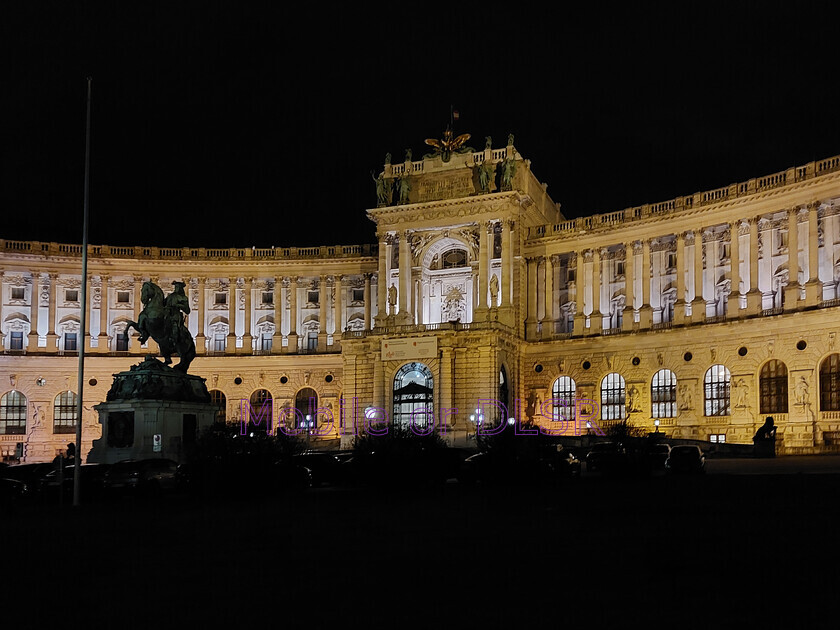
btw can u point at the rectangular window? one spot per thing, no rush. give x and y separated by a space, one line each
312 297
672 260
71 296
358 295
221 298
619 269
219 343
17 293
16 342
123 297
266 342
267 297
122 342
717 438
70 341
312 341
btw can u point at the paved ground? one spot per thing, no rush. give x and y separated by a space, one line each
721 550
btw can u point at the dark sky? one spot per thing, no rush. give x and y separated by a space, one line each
231 125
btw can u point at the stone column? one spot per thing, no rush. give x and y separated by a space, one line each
322 314
813 288
733 306
233 308
645 312
480 286
3 341
754 293
531 319
679 304
35 303
698 304
104 305
277 337
628 317
338 315
579 322
367 301
548 318
52 338
88 308
596 320
507 229
405 278
382 277
293 314
200 338
792 289
247 338
379 396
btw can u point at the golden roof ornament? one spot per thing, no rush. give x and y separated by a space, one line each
448 145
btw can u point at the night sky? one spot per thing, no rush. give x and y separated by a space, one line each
235 124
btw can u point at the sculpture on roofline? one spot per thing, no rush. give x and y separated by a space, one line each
404 185
486 175
162 319
448 145
384 189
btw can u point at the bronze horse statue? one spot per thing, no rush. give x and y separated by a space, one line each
162 319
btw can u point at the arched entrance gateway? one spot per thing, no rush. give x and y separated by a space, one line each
413 392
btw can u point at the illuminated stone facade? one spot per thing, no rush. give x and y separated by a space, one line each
478 288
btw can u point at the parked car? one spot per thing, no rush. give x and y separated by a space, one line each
242 476
656 455
324 466
686 459
494 468
30 474
606 457
13 491
144 475
91 480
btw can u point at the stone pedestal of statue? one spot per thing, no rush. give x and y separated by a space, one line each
152 411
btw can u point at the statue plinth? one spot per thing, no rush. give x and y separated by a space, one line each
152 410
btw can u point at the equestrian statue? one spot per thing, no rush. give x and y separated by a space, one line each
162 319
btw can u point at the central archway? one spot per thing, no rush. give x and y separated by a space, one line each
413 391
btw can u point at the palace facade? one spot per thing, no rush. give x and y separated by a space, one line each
696 317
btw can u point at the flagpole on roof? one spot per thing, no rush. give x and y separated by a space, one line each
84 305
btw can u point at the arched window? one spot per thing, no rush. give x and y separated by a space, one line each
13 413
716 391
453 259
504 390
261 411
830 383
413 389
563 397
613 397
306 402
218 398
773 387
64 418
663 395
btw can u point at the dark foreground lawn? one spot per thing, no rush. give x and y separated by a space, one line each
717 551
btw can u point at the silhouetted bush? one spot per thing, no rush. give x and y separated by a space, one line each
401 457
